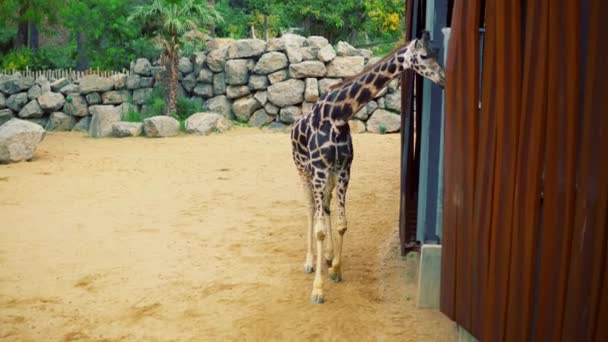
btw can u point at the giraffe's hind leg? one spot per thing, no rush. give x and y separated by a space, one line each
329 242
308 264
320 189
335 271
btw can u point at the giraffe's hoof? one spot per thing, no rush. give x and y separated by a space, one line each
317 299
335 275
309 269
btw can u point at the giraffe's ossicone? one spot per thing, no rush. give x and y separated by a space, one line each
323 152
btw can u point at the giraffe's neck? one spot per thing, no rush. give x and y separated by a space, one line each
354 95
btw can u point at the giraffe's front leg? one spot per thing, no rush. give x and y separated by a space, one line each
335 271
329 241
308 264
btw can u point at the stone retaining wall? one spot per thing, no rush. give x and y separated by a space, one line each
262 83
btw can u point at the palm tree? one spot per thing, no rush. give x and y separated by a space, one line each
167 21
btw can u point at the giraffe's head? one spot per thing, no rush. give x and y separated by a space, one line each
423 60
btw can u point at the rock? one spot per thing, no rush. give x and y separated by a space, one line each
244 107
234 92
185 66
203 90
5 115
278 76
198 60
44 84
219 83
142 67
3 100
381 93
326 54
217 58
262 97
287 40
270 62
382 121
133 82
103 117
363 113
260 118
218 43
311 93
381 103
250 64
258 82
141 96
309 53
94 83
345 66
246 48
277 127
32 94
115 97
205 76
307 69
317 42
205 123
189 82
294 54
60 122
236 72
286 93
31 110
307 107
14 84
366 54
120 82
17 101
146 82
19 140
124 129
157 72
51 102
392 101
289 114
93 98
82 125
58 84
271 109
345 49
356 126
161 126
69 89
373 61
327 83
220 104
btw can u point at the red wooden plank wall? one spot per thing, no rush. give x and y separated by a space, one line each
516 268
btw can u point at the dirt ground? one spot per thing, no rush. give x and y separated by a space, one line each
197 238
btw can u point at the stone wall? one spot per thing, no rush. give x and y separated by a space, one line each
262 83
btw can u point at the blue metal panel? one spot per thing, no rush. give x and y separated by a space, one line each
431 139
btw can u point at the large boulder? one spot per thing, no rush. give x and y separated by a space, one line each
94 83
244 107
19 140
33 93
140 96
14 84
115 97
44 83
286 93
124 129
285 41
258 82
326 54
93 99
382 121
326 83
142 67
218 43
51 102
60 122
311 93
198 60
278 76
317 42
237 72
133 82
161 126
294 54
5 115
205 123
220 104
185 66
345 66
345 49
217 58
17 101
271 109
31 110
307 69
392 101
120 82
82 125
289 114
261 96
103 117
205 76
260 118
58 84
3 100
203 90
246 48
71 88
219 83
234 92
270 62
356 126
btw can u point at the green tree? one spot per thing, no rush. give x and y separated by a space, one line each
167 21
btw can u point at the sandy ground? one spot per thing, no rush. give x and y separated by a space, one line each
197 238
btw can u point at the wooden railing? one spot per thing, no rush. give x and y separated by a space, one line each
73 75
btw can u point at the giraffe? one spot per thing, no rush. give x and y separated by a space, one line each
322 149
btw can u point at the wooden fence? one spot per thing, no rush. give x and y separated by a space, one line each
525 229
73 75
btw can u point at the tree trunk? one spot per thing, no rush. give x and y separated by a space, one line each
172 84
83 59
22 33
34 37
212 26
